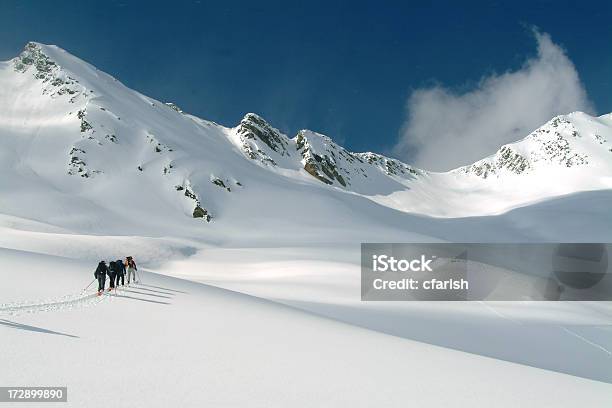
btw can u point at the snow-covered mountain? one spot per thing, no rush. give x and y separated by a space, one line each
94 170
79 150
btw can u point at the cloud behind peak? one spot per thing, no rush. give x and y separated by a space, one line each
445 129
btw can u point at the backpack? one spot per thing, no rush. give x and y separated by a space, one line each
100 270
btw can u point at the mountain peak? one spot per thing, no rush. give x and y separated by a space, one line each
573 140
321 156
254 129
33 55
47 64
253 117
32 46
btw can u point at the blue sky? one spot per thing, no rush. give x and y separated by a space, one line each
347 69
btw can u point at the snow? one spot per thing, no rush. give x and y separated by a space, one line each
171 342
327 282
293 331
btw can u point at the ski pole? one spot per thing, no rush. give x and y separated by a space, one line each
94 279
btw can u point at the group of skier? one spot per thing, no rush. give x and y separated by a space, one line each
116 271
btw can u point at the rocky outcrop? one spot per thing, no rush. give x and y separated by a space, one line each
257 136
322 158
505 159
334 165
174 107
549 144
45 69
77 165
391 167
198 211
33 56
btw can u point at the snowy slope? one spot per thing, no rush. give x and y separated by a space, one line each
569 154
93 170
169 342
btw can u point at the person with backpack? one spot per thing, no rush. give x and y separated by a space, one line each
112 273
100 275
131 268
120 272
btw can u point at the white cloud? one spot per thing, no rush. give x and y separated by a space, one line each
444 130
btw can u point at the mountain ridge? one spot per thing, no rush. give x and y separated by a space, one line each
70 112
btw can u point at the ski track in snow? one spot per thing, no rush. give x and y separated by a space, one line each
498 313
67 302
587 341
565 329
